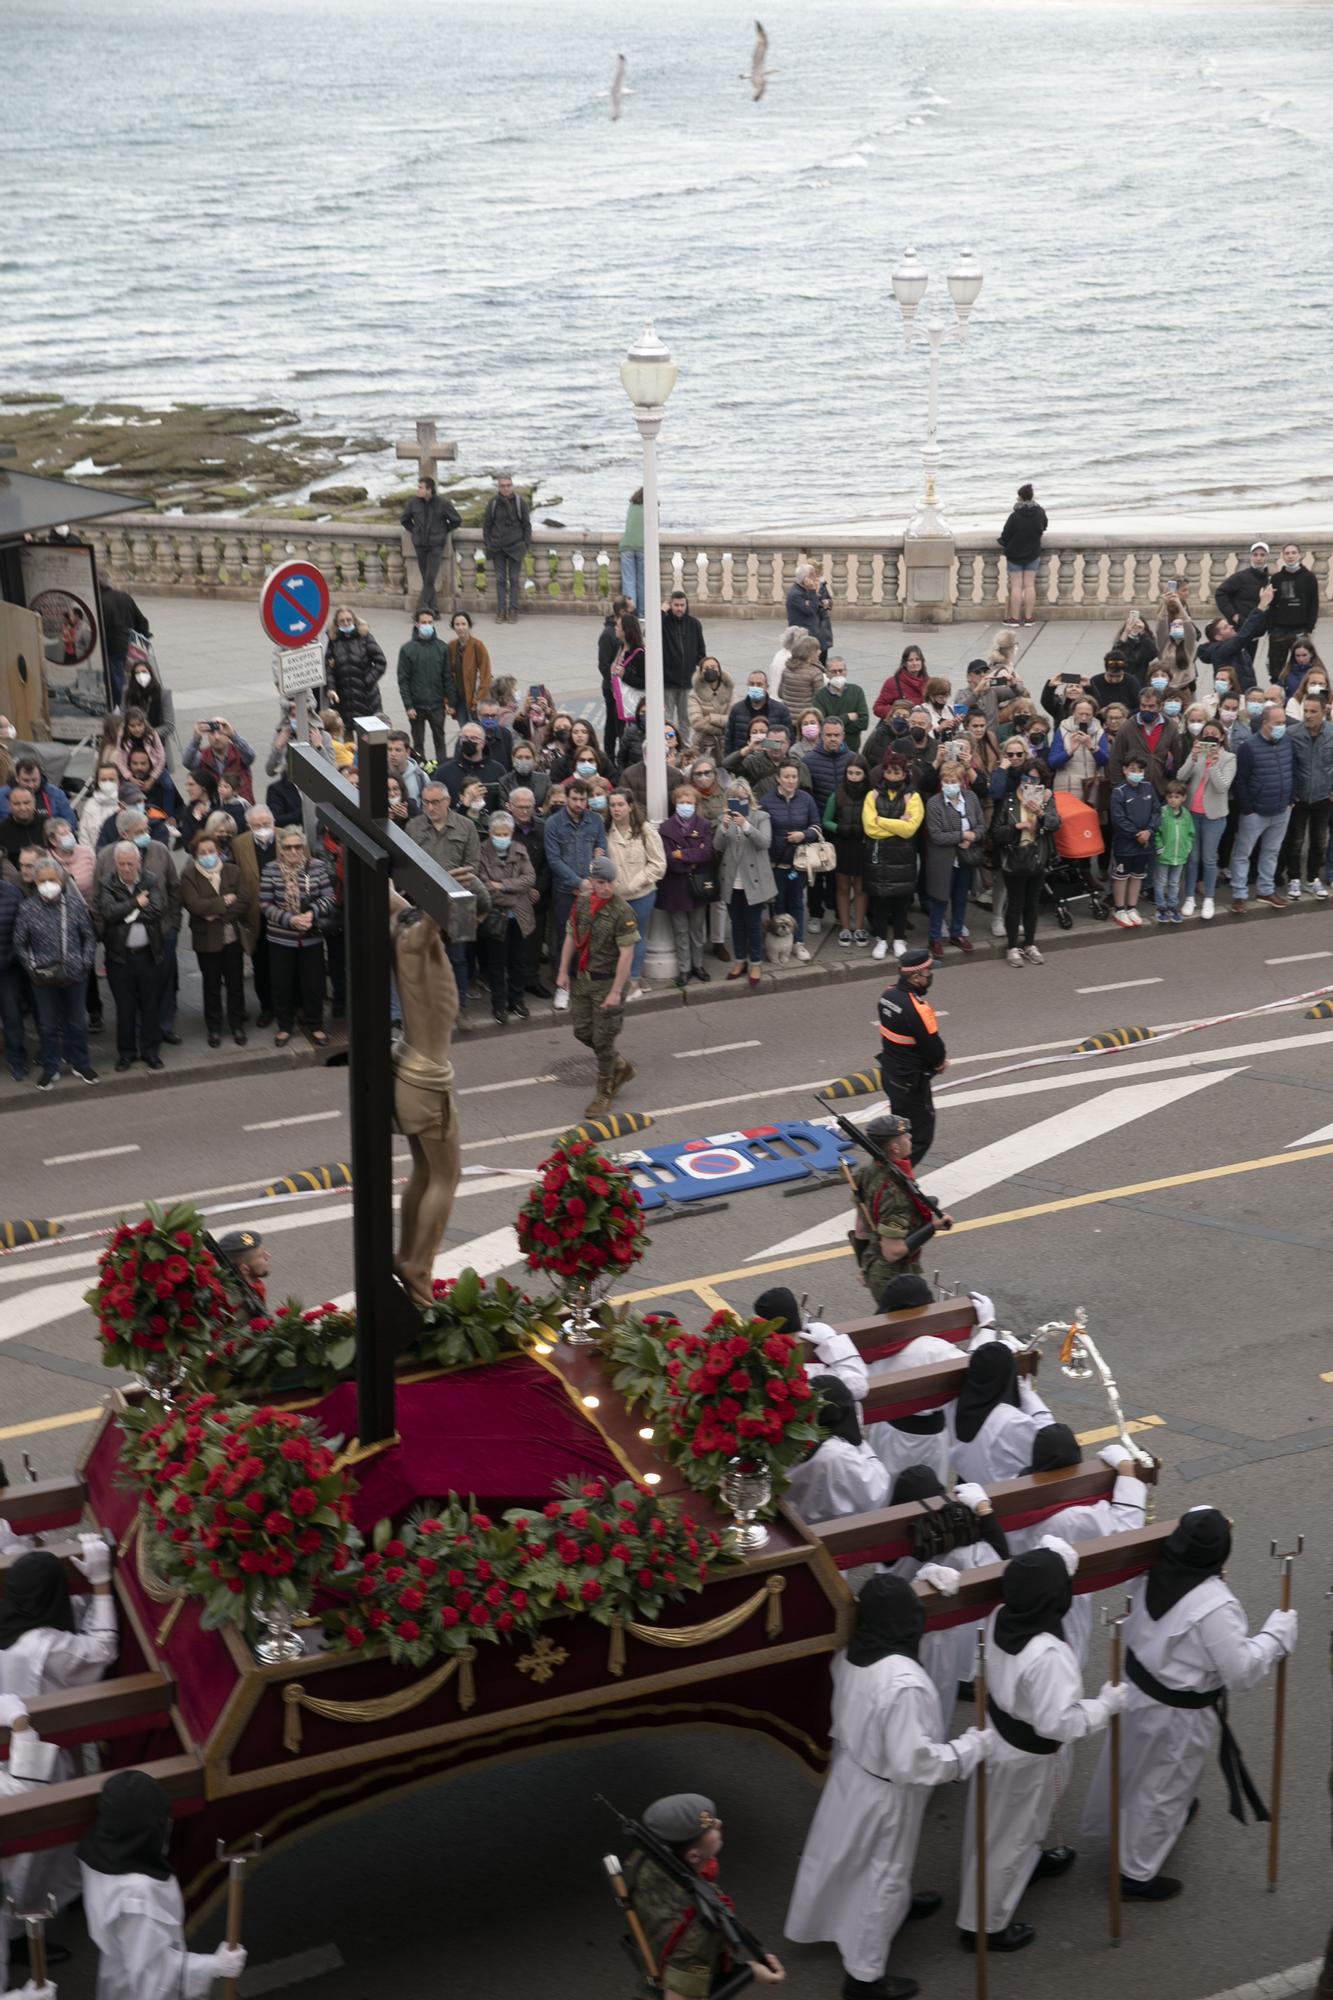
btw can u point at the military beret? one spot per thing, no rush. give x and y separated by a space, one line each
682 1817
237 1241
888 1126
602 868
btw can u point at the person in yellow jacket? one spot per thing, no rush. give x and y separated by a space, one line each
891 820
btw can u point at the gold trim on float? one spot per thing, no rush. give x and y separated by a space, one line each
357 1453
385 1708
683 1637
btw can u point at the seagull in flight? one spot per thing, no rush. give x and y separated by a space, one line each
758 80
618 88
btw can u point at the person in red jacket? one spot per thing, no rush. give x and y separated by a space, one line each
908 684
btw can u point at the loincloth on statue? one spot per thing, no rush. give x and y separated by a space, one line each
423 1095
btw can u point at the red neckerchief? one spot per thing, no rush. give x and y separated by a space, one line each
919 1202
583 939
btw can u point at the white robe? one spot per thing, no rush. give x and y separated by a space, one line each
1002 1448
899 1449
30 1763
1202 1642
1086 1523
854 1884
1043 1687
837 1479
40 1662
949 1656
838 1354
137 1924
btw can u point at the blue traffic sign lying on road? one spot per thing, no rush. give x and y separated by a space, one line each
734 1162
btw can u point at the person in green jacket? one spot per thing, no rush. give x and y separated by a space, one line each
631 552
842 698
1173 843
426 683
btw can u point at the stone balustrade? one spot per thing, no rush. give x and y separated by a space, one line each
739 576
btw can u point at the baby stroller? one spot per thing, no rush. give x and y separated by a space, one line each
1077 839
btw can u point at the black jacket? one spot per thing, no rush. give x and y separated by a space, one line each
683 648
1295 606
743 714
430 522
811 610
355 667
1126 689
1238 650
1238 594
608 645
117 903
460 771
911 1047
1020 537
506 524
533 840
121 616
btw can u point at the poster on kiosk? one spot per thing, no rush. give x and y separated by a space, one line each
60 585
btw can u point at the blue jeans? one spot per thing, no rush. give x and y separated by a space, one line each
747 928
631 576
1265 832
960 888
508 567
790 899
642 907
62 1020
1203 855
1166 884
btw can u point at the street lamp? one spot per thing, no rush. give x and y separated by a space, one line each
910 281
649 375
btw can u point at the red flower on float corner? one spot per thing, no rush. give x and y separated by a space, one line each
158 1289
582 1218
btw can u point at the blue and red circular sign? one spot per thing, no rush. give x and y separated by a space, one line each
294 603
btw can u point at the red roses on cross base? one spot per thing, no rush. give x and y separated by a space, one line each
158 1289
582 1219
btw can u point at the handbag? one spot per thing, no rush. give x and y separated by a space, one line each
495 926
701 885
816 857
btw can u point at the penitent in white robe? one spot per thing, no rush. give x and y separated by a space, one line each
838 1354
1002 1448
137 1924
1202 1642
836 1480
899 1449
949 1656
854 1883
40 1662
1086 1523
31 1762
1043 1687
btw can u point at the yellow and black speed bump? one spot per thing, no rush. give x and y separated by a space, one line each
13 1233
615 1125
1114 1038
862 1084
336 1175
1321 1011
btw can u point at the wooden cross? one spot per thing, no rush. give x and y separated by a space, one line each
374 853
426 449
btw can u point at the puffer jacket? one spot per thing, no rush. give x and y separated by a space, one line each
425 678
890 820
58 934
799 674
354 668
798 814
708 709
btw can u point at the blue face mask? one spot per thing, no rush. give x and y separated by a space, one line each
1278 731
754 694
685 810
425 631
1171 708
1254 708
209 860
953 791
1221 687
501 842
142 839
490 722
1134 777
598 802
586 768
1160 682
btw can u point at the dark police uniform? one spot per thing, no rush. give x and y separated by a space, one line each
911 1052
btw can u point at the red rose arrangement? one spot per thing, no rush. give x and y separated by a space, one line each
455 1577
241 1504
737 1390
158 1289
582 1219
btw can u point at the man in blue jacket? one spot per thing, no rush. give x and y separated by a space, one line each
573 836
1264 784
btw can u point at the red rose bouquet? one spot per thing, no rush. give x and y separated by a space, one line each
158 1293
582 1219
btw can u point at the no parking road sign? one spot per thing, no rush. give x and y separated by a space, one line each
294 603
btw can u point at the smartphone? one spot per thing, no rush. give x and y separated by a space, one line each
742 806
538 691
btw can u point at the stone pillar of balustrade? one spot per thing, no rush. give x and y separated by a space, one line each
929 563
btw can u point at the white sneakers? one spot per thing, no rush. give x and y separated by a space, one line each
802 952
1318 890
813 926
1032 956
1013 956
881 949
1187 907
899 947
1128 920
1294 889
1207 911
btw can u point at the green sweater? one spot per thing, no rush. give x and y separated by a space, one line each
850 702
1174 840
633 535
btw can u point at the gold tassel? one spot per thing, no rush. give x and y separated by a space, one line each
773 1623
291 1721
387 1708
467 1686
165 1629
615 1662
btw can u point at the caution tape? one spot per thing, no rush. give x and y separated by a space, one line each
14 1233
1323 1011
615 1125
861 1084
1113 1038
312 1179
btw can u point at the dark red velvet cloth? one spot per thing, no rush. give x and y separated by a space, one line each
503 1435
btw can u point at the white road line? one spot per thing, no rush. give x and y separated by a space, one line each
1157 1065
510 1083
306 1118
98 1153
1298 958
1311 1138
720 1049
1294 1980
1065 1132
495 1251
1118 986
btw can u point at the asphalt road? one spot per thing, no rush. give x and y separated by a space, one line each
1179 1190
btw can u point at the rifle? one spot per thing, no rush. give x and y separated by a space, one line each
906 1182
711 1907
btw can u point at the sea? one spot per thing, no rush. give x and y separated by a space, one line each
371 210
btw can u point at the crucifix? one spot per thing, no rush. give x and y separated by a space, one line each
376 854
428 450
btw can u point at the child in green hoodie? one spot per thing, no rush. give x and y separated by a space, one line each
1173 844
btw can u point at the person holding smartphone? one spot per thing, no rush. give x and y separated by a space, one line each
741 842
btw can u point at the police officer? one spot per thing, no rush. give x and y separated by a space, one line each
690 1957
598 947
911 1049
248 1254
890 1215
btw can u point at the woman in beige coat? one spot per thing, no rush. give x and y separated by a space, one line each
635 846
708 705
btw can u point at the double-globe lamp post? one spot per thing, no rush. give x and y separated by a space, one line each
649 375
910 281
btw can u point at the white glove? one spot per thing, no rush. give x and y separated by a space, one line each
12 1706
1284 1627
229 1961
940 1577
817 1331
984 1308
32 1991
1111 1694
95 1562
1067 1553
971 1495
1116 1456
973 1747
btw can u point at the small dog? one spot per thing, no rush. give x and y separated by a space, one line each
780 941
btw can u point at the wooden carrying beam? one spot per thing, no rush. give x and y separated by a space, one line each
38 1505
1018 1503
889 1333
116 1707
65 1552
902 1392
1102 1565
51 1815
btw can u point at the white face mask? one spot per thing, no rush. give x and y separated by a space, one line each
144 680
50 890
107 789
837 683
263 835
1195 728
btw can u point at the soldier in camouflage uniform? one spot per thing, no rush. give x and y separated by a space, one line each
599 945
690 1957
886 1211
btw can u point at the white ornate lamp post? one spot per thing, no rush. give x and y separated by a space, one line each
910 281
649 375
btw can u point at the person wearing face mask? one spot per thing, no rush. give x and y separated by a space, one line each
121 619
1233 643
1295 608
1135 814
796 669
843 817
525 774
955 830
55 943
793 822
841 697
1265 774
636 848
1312 785
711 699
529 833
574 835
595 959
911 1054
690 882
745 876
1207 774
507 871
252 851
825 756
354 665
891 820
757 702
1023 834
426 684
1079 752
130 907
471 763
1177 642
99 803
1237 595
1151 735
218 902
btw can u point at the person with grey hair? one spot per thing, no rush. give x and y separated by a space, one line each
132 824
1265 782
508 874
810 606
506 535
131 906
55 943
251 851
